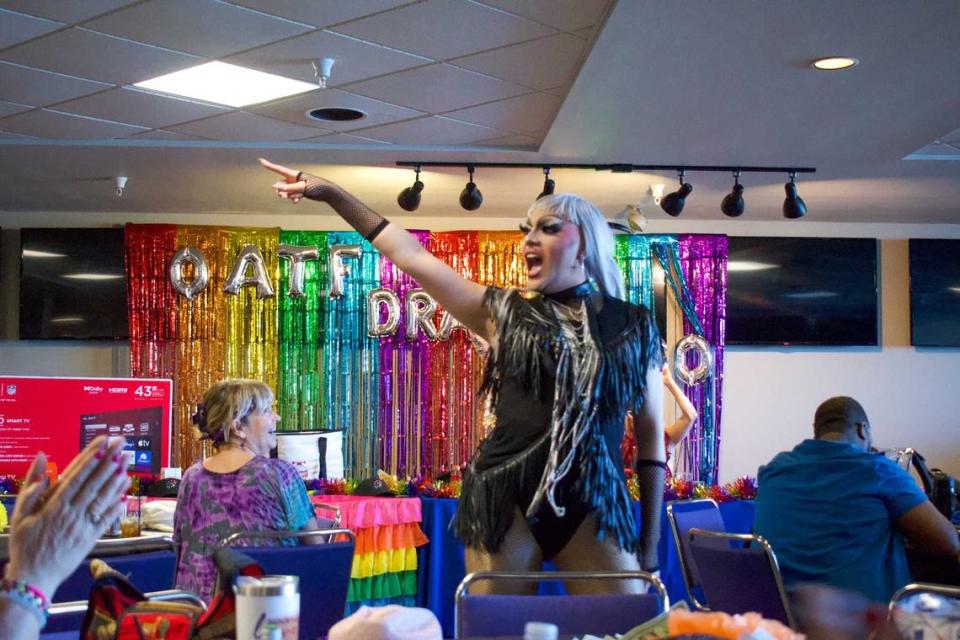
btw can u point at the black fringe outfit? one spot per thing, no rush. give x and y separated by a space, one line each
560 390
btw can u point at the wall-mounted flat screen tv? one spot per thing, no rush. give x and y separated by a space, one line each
935 293
802 291
72 284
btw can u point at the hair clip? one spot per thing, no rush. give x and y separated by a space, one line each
200 417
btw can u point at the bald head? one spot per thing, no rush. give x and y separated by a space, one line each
841 417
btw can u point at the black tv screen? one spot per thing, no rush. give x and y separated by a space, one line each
72 284
796 291
935 293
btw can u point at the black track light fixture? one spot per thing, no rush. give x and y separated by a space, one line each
470 197
673 203
548 184
409 198
733 205
793 206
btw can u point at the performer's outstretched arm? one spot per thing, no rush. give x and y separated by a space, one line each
461 297
650 468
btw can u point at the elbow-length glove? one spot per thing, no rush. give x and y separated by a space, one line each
358 215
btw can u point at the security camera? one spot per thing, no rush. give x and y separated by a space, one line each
121 184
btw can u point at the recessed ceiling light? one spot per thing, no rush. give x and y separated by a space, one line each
834 63
335 114
222 83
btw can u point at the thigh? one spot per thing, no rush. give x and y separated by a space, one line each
519 552
585 552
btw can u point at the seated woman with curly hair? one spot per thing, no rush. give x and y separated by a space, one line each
239 488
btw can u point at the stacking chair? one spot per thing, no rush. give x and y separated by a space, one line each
937 604
323 569
684 515
739 573
506 615
149 564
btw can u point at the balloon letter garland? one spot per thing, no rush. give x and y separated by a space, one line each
348 342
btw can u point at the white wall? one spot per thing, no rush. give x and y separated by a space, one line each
910 395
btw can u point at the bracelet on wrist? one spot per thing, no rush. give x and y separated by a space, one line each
27 596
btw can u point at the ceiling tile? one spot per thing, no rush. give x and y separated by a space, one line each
443 29
69 11
527 114
240 125
437 88
160 134
139 108
321 14
433 130
63 126
344 138
201 27
566 15
526 143
9 108
85 54
353 60
540 64
18 27
7 135
41 88
294 110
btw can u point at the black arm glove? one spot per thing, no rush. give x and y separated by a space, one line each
358 215
650 478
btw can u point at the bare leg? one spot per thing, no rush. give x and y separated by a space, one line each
585 552
519 552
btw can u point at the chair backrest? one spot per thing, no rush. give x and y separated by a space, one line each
684 515
506 615
323 569
739 573
916 607
149 565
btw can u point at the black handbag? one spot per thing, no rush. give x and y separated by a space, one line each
939 486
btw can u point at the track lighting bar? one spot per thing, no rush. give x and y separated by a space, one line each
616 168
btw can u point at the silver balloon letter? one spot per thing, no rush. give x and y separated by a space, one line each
201 273
420 311
704 368
338 270
297 256
376 299
249 256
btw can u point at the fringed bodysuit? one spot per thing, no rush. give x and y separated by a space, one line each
561 386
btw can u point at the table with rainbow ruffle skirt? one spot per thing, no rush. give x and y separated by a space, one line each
387 534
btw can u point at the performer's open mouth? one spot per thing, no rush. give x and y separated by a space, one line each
534 264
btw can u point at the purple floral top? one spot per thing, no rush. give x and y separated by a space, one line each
263 495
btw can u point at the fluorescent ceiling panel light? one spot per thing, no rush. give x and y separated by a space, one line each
747 265
31 253
93 276
228 84
67 319
835 63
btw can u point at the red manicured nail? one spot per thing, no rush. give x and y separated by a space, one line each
120 470
99 454
116 457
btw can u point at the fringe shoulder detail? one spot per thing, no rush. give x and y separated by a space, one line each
625 361
488 498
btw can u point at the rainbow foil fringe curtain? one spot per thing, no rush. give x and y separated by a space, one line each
406 401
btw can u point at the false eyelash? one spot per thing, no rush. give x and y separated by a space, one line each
525 228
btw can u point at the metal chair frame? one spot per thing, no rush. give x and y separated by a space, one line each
747 539
684 563
329 533
531 576
920 587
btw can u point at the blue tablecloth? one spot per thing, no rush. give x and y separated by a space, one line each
441 564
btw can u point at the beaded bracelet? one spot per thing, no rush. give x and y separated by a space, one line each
27 596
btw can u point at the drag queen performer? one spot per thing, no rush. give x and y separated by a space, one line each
568 359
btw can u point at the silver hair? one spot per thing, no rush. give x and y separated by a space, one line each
598 242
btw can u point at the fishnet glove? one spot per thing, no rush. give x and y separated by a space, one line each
358 215
650 478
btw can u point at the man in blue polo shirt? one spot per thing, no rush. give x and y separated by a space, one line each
836 512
